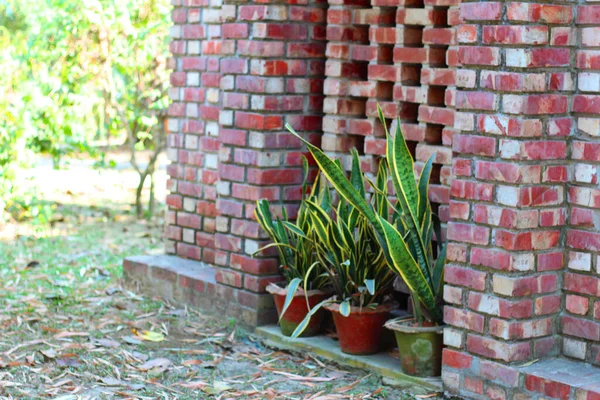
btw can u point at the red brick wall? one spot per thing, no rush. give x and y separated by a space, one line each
241 70
505 93
581 320
522 273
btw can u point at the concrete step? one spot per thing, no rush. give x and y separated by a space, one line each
329 349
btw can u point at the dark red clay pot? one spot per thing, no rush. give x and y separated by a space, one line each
360 332
298 309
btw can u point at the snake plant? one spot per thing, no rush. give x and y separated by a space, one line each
405 235
295 241
347 247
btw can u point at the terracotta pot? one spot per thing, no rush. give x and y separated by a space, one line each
360 332
420 347
297 309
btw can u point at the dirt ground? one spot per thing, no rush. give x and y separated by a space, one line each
69 331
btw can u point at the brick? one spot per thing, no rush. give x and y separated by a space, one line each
474 385
589 14
509 126
548 13
476 101
507 375
507 172
586 104
577 304
525 35
580 328
499 350
547 304
537 57
493 305
472 190
456 359
468 233
583 284
583 240
488 11
535 104
501 260
463 319
513 82
505 217
457 275
478 55
512 330
524 286
547 387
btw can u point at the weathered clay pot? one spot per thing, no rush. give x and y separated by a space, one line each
298 309
420 347
360 332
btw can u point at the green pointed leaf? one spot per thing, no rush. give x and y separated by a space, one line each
401 166
304 175
356 176
404 169
438 271
292 288
345 308
333 172
272 245
370 284
424 187
409 270
294 229
304 323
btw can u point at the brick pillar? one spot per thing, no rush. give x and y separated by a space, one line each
346 88
508 203
274 78
241 71
193 128
581 321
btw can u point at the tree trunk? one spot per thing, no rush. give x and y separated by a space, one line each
152 200
139 209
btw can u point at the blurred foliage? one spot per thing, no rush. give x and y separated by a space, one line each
76 72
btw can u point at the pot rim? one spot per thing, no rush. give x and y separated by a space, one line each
380 308
402 325
277 288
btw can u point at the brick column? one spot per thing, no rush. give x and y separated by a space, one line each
346 88
241 71
274 78
508 202
193 128
581 321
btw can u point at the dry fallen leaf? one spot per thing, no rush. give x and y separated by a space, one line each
105 342
192 362
426 396
295 377
49 353
67 334
216 388
156 365
194 384
149 335
132 340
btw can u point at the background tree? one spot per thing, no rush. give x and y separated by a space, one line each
77 73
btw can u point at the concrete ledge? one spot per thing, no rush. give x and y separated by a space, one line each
563 378
329 349
472 377
194 283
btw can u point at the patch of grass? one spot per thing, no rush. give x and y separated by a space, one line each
66 327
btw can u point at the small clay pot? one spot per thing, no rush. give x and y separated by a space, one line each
420 347
298 309
360 332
